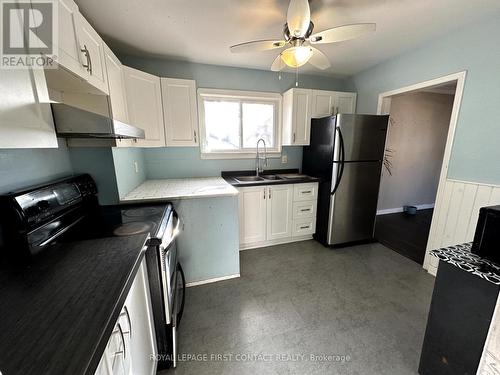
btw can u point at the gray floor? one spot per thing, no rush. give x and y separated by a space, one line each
366 303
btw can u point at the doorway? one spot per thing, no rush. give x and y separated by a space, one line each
420 134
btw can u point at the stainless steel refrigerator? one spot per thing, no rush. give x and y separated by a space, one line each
346 152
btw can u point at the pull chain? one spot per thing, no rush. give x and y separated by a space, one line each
297 76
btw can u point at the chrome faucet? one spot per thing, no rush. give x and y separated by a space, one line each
258 165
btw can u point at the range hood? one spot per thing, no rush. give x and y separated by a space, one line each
73 122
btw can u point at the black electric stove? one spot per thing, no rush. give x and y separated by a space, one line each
67 211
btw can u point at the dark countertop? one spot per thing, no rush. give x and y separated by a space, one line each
57 314
229 176
461 257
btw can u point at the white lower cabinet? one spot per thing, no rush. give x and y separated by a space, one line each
275 214
131 348
279 211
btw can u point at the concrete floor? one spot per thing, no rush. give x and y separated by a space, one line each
366 303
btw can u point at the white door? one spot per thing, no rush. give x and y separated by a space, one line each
69 55
180 111
92 50
323 103
116 84
144 106
301 117
279 211
345 102
252 211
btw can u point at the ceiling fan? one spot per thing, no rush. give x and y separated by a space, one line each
299 39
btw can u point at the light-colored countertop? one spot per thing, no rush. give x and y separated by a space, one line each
183 188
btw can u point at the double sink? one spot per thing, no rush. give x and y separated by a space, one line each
267 178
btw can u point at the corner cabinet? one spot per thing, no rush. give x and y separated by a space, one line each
143 92
131 348
180 112
276 214
301 105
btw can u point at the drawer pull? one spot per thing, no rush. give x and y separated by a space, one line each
306 192
305 227
305 209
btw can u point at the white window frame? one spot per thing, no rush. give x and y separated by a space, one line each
247 96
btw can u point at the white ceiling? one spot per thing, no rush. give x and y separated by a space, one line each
202 30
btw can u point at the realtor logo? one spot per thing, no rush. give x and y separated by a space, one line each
28 33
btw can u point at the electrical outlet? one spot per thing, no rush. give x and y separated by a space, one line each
284 159
136 167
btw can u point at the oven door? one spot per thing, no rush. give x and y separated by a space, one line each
168 260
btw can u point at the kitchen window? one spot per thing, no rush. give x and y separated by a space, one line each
231 123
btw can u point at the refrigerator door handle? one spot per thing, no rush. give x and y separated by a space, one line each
340 169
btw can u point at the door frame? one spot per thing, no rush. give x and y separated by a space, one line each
384 106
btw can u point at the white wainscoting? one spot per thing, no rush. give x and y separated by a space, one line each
456 213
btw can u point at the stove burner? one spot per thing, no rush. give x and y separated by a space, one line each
134 227
142 212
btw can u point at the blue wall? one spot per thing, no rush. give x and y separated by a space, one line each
476 149
25 167
126 176
180 162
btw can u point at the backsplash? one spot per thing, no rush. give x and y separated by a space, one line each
186 162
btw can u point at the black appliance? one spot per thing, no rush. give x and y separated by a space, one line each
67 210
487 237
346 153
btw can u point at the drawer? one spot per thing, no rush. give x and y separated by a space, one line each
305 192
304 227
303 210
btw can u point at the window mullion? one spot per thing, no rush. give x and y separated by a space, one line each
241 125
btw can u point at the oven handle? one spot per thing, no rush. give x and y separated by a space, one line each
175 232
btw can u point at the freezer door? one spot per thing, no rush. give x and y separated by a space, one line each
363 135
354 206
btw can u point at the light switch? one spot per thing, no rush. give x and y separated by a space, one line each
136 167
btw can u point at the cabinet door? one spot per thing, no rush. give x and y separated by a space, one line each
144 106
345 102
301 117
92 50
116 84
180 112
323 103
252 210
69 47
279 211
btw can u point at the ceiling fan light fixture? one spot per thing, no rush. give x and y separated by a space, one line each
295 57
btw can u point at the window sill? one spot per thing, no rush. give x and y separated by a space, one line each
237 155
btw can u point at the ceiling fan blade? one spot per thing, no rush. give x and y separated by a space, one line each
319 59
341 33
278 64
298 17
257 45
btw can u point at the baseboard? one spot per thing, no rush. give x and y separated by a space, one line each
214 280
280 241
400 209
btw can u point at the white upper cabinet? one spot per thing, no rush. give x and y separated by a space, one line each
116 84
297 117
279 211
144 104
92 49
180 111
80 55
25 114
327 103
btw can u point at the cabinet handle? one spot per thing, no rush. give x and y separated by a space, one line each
293 141
305 209
123 341
264 193
269 193
127 315
306 192
87 56
305 227
90 61
195 138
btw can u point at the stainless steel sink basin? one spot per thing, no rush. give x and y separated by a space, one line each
271 177
244 179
